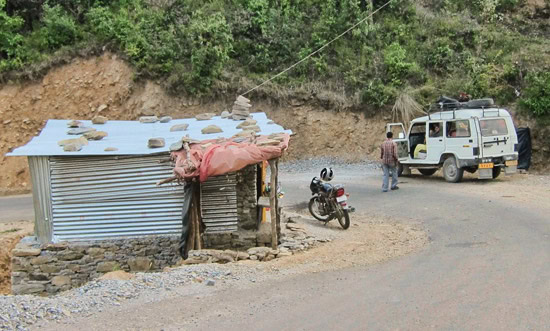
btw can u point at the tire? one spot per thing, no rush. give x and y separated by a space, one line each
313 207
344 220
496 172
399 170
427 172
451 171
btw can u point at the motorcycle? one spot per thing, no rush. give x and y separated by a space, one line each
329 202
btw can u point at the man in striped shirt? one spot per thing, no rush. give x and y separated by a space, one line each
388 154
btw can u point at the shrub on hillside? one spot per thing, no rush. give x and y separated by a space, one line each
536 96
10 40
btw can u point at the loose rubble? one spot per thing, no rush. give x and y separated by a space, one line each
95 135
211 129
155 143
99 120
80 130
148 119
204 116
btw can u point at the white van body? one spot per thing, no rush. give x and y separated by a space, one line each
482 140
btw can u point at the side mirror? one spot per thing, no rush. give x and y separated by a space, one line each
401 135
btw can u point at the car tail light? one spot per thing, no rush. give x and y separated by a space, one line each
340 192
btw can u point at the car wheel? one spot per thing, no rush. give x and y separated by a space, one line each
451 171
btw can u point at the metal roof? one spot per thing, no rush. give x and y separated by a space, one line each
131 137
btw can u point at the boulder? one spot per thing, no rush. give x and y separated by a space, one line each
211 129
254 128
26 251
176 146
61 281
102 108
99 120
242 100
82 141
225 114
155 143
28 288
41 260
179 127
95 135
247 122
95 251
49 268
204 116
74 124
245 133
69 256
111 149
148 119
72 147
165 119
107 266
81 130
140 263
268 142
259 251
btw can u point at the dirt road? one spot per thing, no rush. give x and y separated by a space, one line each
487 267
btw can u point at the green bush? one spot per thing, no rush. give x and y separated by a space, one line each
378 94
10 40
536 96
210 47
59 28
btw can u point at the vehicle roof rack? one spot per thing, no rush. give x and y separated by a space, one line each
445 103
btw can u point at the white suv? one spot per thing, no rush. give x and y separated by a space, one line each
472 136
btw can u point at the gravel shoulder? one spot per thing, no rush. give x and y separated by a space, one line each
368 241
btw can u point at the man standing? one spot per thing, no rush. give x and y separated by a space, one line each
388 154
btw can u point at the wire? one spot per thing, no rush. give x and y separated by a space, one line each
318 50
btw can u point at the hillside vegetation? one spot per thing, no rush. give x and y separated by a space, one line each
495 48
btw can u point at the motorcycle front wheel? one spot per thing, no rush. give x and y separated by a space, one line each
344 219
315 207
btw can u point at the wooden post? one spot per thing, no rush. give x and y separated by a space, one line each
272 203
277 208
197 222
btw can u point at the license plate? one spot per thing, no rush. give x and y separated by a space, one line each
512 163
486 166
342 198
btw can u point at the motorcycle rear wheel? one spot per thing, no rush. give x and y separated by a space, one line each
344 219
314 209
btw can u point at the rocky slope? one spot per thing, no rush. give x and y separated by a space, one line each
104 85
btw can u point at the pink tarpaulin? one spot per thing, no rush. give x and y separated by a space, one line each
217 157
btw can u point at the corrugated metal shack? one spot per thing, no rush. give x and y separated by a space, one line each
97 194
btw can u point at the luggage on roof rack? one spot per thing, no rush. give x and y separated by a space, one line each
446 103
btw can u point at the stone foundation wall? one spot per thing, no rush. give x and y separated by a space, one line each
51 268
247 198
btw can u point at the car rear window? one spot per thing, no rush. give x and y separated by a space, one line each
493 127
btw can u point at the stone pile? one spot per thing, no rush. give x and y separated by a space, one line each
241 109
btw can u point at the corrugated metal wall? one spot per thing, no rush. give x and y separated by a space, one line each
219 204
40 176
112 197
